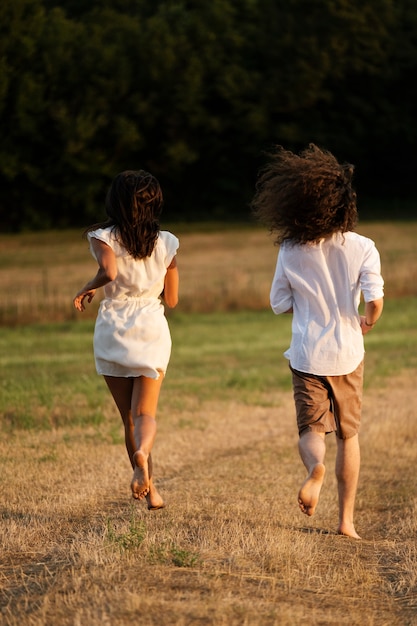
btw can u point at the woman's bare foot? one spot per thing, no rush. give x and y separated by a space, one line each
309 493
153 498
140 480
348 530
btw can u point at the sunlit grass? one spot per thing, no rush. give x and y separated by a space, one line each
228 269
49 378
231 548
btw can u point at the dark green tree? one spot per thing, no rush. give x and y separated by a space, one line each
196 92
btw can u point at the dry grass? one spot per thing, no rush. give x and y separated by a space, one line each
231 547
220 271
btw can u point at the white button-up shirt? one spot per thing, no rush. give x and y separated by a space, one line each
323 282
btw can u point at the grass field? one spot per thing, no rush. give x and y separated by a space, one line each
223 270
231 547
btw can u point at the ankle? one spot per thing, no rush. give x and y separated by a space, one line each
141 456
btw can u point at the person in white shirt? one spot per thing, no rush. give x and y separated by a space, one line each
323 268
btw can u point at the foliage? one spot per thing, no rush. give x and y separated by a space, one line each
195 92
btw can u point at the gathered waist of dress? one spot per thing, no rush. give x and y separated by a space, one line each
141 300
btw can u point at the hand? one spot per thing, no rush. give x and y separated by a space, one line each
80 297
364 326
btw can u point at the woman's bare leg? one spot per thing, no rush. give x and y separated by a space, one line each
145 396
122 392
347 474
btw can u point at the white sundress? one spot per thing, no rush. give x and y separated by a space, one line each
131 335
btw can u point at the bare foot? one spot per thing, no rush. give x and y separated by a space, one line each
140 480
348 530
153 498
309 493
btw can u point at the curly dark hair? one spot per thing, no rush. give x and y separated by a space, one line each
305 197
133 205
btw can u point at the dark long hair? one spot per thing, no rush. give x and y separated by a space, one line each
305 197
133 204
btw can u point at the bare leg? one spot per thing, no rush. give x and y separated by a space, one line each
145 398
312 450
145 431
347 474
153 498
122 392
121 389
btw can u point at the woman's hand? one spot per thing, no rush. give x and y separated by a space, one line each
80 297
107 272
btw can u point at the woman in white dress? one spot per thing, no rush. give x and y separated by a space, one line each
132 343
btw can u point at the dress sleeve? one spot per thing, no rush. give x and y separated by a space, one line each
171 246
103 234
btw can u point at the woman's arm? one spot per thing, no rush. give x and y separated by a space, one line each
107 272
171 283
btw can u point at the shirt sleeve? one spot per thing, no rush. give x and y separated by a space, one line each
371 281
281 295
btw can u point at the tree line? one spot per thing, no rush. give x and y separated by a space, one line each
197 93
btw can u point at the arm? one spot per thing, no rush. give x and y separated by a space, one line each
372 285
171 283
280 296
107 272
373 310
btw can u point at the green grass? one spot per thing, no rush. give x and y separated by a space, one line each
48 376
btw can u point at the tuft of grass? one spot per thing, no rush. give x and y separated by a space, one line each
131 539
169 553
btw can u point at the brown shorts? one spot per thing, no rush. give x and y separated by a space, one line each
327 404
